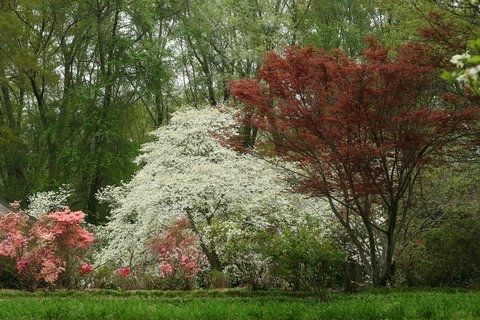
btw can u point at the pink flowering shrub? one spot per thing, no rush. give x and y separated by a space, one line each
12 237
125 279
85 268
179 255
12 241
47 251
123 272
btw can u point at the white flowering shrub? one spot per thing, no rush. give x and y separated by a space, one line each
49 201
187 172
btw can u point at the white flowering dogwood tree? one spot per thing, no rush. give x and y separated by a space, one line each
187 172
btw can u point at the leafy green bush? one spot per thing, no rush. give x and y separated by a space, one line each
8 274
304 259
447 256
218 280
248 263
442 243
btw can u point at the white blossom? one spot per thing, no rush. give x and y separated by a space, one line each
48 201
186 170
473 72
458 59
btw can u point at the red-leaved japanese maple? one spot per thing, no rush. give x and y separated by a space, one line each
359 130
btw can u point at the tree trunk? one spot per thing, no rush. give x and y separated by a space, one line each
51 147
213 259
375 268
389 264
210 253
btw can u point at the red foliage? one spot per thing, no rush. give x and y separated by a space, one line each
360 130
356 127
448 34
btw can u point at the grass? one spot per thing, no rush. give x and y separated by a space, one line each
239 304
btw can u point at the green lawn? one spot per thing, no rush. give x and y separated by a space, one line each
238 305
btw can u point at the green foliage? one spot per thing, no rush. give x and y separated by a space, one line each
79 92
304 259
441 246
102 277
247 262
238 305
447 256
8 274
218 279
294 257
340 24
82 82
467 68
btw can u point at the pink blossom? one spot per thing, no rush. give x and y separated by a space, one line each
85 268
22 265
85 238
67 216
124 271
166 269
12 238
177 250
40 249
65 224
51 269
185 260
190 266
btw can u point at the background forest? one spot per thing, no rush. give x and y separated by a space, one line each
84 83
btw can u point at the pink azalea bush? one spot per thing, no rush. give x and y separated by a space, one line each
86 268
125 279
46 250
179 255
12 237
124 272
